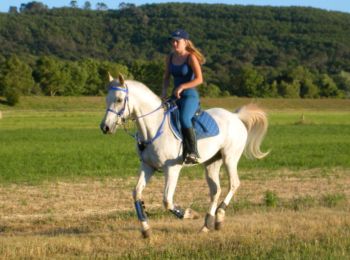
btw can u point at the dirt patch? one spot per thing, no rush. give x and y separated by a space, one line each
96 219
60 200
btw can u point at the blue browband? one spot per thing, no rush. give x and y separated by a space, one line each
121 89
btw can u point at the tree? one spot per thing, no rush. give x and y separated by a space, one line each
308 89
343 82
209 90
306 79
249 82
12 96
328 88
33 7
50 76
150 73
289 90
94 82
74 4
87 5
13 10
269 90
101 6
16 79
124 5
76 76
18 75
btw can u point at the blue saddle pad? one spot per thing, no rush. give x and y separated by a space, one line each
203 123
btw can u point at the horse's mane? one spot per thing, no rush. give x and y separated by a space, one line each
140 89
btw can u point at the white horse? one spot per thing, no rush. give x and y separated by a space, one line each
159 149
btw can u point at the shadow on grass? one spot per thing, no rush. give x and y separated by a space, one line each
65 231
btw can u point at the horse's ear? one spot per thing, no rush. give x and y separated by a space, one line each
110 77
121 79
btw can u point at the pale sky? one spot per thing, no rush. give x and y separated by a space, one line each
334 5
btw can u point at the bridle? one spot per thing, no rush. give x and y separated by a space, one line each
120 113
168 108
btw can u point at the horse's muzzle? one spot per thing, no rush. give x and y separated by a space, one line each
104 128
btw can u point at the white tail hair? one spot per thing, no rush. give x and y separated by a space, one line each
255 120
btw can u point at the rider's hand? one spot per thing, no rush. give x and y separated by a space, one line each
178 91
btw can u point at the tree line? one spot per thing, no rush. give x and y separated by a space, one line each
251 51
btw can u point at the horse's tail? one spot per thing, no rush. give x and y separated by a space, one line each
255 120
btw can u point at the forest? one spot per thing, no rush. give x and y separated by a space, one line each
291 52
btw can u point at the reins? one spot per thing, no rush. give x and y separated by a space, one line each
168 108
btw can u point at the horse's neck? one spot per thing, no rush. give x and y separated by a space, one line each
146 102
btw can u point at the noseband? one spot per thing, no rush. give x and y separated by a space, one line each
120 113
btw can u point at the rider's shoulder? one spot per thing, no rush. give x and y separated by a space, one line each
192 58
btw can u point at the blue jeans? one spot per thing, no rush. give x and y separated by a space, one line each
188 105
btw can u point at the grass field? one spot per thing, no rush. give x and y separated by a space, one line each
66 188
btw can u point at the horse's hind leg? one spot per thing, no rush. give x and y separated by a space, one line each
231 165
212 170
146 173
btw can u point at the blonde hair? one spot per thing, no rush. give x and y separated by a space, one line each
193 50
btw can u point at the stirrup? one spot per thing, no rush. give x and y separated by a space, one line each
191 158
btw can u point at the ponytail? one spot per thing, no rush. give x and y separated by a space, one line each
193 50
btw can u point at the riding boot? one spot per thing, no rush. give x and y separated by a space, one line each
190 153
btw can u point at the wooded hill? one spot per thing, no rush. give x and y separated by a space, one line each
250 51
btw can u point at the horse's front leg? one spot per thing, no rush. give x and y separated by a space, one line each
171 175
145 175
171 178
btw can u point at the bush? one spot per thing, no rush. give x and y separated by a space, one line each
12 97
209 90
271 199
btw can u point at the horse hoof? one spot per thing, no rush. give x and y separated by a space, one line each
146 233
191 214
218 225
204 229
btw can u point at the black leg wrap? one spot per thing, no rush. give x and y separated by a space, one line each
178 212
140 206
209 221
221 206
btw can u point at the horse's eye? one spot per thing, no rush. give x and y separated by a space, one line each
118 100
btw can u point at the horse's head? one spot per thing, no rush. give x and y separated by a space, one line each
117 105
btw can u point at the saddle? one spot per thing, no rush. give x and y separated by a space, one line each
203 123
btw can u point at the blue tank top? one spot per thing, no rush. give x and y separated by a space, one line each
182 73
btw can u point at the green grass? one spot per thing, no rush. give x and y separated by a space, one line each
335 246
39 144
305 147
32 155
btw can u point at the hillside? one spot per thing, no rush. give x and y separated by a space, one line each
261 35
267 43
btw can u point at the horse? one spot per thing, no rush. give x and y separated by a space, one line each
159 150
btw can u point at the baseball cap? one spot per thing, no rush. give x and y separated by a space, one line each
179 34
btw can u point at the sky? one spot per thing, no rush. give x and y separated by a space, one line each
334 5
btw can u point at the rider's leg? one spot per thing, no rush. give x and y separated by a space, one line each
188 106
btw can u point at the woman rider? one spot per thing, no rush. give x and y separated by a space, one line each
184 64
